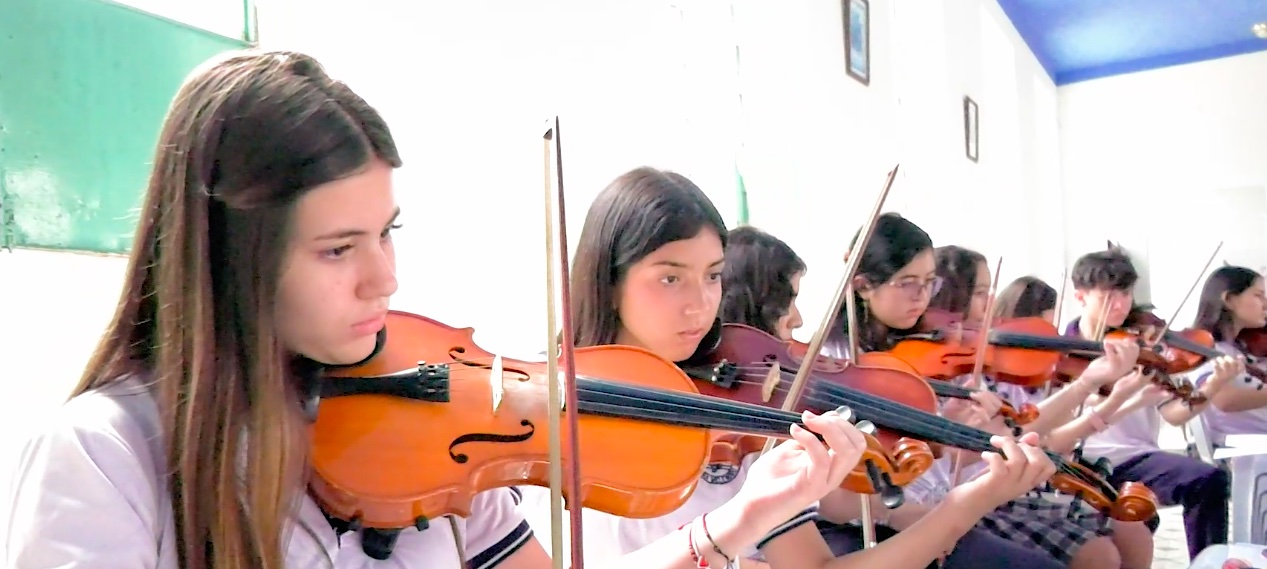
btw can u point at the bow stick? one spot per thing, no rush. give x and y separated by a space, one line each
845 289
833 308
560 341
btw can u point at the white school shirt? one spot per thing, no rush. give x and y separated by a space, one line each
89 492
932 486
1219 423
1132 435
607 536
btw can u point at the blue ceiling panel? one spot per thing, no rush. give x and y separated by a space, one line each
1077 40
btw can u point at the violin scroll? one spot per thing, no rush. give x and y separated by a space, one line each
1135 503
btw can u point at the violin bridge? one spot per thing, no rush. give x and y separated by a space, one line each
496 380
771 383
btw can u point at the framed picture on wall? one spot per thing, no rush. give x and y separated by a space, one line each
971 132
857 15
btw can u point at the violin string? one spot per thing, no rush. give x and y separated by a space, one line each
694 410
900 415
941 430
891 413
718 408
940 388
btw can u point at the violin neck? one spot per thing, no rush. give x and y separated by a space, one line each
612 399
943 389
1188 346
1003 339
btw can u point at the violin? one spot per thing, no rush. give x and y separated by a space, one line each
761 353
900 404
430 392
1253 341
1078 353
935 353
1028 412
1185 350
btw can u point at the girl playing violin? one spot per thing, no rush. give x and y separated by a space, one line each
1026 297
1103 285
760 284
264 253
965 293
648 272
1233 299
896 280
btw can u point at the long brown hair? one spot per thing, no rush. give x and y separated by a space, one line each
246 136
639 212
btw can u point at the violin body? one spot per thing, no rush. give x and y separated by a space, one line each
731 448
374 457
1254 341
880 374
766 367
938 354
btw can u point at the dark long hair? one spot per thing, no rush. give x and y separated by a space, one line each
757 280
1212 314
244 139
639 212
895 242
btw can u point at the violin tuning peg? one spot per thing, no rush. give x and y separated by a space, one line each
845 413
867 427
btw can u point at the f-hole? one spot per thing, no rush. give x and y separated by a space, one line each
458 355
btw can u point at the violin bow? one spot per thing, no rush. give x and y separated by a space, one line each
978 361
843 290
560 343
1193 288
833 308
1055 319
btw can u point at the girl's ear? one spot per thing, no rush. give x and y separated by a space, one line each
862 287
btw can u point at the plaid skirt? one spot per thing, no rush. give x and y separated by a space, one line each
1047 525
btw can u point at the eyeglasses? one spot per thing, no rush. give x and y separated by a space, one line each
915 288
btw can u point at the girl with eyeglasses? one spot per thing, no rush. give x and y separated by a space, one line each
651 271
760 284
897 279
1041 520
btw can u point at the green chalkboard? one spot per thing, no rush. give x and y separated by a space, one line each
84 86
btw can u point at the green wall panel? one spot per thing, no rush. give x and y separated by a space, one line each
84 86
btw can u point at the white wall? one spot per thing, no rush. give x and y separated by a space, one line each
820 142
468 85
53 308
1169 162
